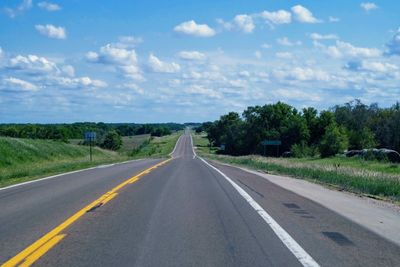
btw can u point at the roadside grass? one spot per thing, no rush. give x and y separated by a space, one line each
372 178
28 159
130 143
156 146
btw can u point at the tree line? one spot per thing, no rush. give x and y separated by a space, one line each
351 126
65 132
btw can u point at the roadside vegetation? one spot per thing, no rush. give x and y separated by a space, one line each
372 178
23 159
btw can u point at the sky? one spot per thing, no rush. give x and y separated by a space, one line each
180 60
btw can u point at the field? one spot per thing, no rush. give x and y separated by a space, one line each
27 159
372 178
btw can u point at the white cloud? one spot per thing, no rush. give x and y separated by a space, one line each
301 74
317 36
123 59
191 55
21 8
156 65
51 31
16 83
32 64
277 17
295 94
343 49
372 66
333 19
393 47
304 15
284 55
81 82
194 29
368 6
49 6
244 23
286 42
258 54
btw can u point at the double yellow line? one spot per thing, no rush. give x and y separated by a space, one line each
32 253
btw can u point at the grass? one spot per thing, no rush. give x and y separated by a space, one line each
27 159
130 143
372 178
157 146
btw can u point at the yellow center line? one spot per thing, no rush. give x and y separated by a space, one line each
49 240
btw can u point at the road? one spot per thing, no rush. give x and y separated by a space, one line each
185 212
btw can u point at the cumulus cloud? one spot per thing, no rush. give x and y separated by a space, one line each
123 59
194 29
49 6
277 17
286 42
301 74
51 31
304 15
372 66
316 36
244 23
32 64
80 82
343 49
368 6
191 55
393 47
21 8
12 83
156 65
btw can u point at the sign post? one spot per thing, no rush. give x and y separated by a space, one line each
90 137
276 143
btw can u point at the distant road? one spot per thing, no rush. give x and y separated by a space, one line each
185 212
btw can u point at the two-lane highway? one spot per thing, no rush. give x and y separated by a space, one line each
186 212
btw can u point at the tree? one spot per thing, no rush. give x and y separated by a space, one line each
112 141
333 141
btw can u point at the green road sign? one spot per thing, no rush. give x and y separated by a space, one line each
271 142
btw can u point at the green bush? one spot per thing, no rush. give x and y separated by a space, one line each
112 141
334 141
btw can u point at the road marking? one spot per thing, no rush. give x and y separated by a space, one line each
176 144
42 250
33 252
194 153
302 256
66 173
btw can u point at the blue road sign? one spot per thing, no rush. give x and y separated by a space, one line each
90 136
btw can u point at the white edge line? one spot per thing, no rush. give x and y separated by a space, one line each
66 173
176 144
303 257
194 152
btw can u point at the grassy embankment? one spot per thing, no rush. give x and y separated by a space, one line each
375 179
26 159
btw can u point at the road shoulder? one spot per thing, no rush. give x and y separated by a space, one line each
385 219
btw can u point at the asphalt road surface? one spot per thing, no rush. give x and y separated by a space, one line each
185 212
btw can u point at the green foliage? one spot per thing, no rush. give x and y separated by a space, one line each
334 141
112 141
66 132
358 127
303 150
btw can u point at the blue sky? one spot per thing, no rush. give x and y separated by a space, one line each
160 61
